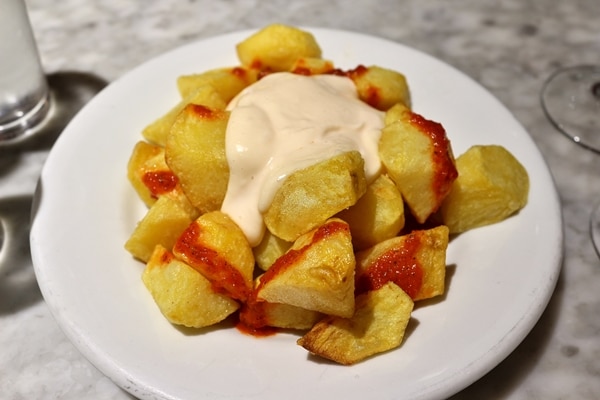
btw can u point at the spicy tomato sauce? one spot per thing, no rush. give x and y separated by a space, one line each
399 265
224 277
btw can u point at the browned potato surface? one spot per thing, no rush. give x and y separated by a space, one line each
492 185
416 262
162 225
182 294
269 250
378 325
378 215
195 152
276 48
206 95
151 177
148 172
285 316
380 87
214 245
227 82
301 203
316 273
311 66
418 157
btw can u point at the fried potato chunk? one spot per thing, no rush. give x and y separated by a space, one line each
162 225
182 294
492 185
227 82
316 273
262 316
151 177
269 250
148 172
214 245
276 48
379 87
308 197
378 325
418 157
378 215
312 66
285 316
207 96
416 262
195 152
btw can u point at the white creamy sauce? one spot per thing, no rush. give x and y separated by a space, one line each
286 122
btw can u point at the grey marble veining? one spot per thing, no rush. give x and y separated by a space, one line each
510 47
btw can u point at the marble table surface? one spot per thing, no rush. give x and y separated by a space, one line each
510 47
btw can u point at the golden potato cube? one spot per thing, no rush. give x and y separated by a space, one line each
269 249
258 315
214 245
316 273
416 262
311 66
285 316
418 157
148 172
492 185
308 197
158 131
182 294
227 82
276 48
379 87
261 316
378 215
151 177
377 326
162 225
195 152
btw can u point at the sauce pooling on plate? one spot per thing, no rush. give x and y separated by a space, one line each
286 122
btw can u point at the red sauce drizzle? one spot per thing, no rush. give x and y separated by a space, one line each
369 95
224 277
256 64
358 71
159 182
239 72
201 111
166 257
398 265
445 171
253 319
302 71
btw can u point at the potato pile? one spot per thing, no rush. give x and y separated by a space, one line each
339 262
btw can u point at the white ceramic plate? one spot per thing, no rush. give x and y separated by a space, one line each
501 277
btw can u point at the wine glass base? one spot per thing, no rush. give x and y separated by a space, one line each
571 100
595 228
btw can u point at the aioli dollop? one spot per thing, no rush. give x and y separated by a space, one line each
286 122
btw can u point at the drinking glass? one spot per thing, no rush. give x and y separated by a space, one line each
571 100
24 93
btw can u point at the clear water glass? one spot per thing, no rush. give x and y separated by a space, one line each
24 93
